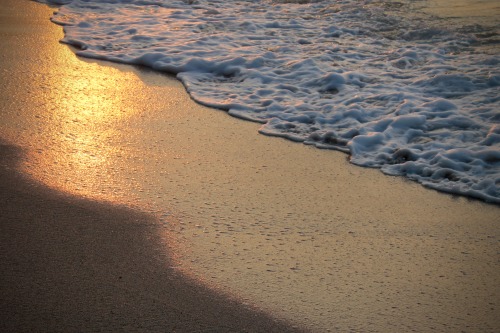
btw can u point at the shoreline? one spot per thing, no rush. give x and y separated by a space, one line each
74 264
307 243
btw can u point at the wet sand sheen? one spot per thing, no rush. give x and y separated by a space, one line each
265 218
76 265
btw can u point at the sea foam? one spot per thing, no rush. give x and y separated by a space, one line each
407 96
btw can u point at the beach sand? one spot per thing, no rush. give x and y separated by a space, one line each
293 230
75 265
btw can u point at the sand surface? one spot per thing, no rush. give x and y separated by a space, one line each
70 264
296 231
75 265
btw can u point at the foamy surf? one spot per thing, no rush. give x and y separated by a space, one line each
407 96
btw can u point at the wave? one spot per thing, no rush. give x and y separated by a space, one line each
406 95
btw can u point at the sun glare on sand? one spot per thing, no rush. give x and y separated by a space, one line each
78 109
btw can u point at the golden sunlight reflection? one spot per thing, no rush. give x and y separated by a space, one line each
78 130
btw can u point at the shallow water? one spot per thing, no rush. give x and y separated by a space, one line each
398 89
483 12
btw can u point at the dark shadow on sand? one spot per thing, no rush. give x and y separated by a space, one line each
75 265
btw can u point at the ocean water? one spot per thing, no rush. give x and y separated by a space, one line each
409 93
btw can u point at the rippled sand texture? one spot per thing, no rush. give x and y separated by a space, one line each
297 231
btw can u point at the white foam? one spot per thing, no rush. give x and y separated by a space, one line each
409 97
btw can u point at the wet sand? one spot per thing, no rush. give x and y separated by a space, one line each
294 230
70 264
75 265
